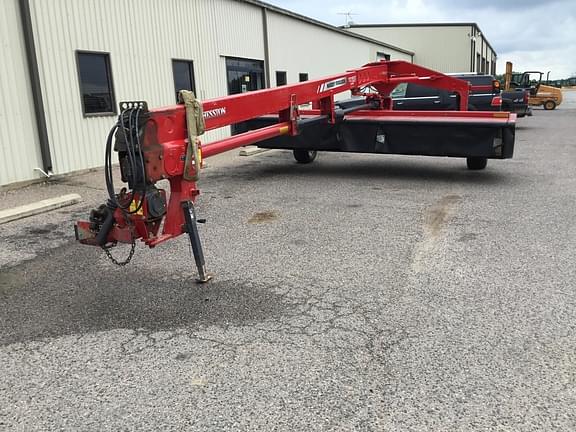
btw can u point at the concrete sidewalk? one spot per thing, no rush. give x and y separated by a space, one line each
89 185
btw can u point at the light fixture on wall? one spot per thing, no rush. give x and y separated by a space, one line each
473 37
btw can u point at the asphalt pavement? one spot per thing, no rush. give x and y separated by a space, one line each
360 292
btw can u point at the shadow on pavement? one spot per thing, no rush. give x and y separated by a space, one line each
497 172
39 300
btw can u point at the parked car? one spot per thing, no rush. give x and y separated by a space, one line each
517 101
484 95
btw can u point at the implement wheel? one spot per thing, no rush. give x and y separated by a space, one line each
305 156
549 105
476 163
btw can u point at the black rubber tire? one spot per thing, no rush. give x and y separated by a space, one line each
476 163
549 105
305 156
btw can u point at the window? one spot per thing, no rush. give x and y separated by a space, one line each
399 91
476 80
478 65
303 77
183 71
96 87
244 75
417 90
382 56
280 78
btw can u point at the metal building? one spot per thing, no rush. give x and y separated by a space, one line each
67 63
448 47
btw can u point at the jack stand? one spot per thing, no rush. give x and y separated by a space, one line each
192 230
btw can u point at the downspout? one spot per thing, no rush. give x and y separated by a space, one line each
36 88
266 48
483 56
471 48
495 59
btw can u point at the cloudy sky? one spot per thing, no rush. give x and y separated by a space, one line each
533 34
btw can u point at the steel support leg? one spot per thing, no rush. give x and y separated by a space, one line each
192 230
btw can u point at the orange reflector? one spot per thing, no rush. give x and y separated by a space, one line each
502 114
284 130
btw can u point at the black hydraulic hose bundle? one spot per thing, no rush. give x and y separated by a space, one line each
134 153
132 148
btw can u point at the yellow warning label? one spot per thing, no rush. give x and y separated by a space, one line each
134 205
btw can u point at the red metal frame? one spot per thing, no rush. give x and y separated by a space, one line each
165 134
166 128
382 76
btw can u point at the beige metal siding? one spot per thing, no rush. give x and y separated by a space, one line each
19 148
142 37
446 49
297 46
239 29
484 51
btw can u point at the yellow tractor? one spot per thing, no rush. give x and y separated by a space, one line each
540 94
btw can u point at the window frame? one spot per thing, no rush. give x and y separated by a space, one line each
285 78
380 55
257 67
193 75
108 63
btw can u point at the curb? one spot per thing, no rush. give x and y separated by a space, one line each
38 207
252 150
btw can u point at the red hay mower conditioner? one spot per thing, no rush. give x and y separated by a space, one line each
162 143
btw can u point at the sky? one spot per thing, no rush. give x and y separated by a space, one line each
532 34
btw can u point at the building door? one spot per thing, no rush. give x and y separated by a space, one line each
243 75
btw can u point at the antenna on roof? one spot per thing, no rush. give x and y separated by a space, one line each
347 18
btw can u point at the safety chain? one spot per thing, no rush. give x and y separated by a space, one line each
127 260
132 248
